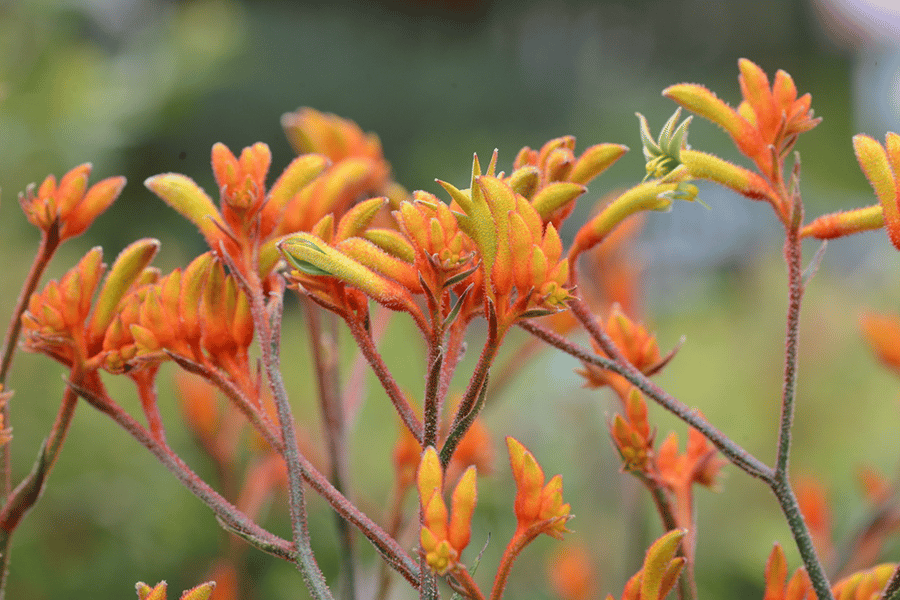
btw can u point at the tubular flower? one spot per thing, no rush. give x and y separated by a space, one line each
670 159
441 250
359 167
637 345
814 507
769 117
881 165
64 322
248 216
553 177
539 508
55 319
338 269
444 540
697 465
660 570
406 456
160 314
864 585
632 434
798 587
158 592
70 206
518 252
655 195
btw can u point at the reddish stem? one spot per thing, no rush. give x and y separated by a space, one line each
49 243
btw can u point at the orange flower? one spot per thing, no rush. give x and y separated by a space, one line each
537 505
660 571
635 343
881 165
64 322
697 465
814 507
572 574
798 587
359 168
882 332
406 456
864 585
552 178
440 249
443 540
70 206
768 117
249 215
158 592
632 435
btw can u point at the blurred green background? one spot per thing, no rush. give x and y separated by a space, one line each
140 87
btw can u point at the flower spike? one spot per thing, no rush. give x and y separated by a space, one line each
881 164
536 504
444 540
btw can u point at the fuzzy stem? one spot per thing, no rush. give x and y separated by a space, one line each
26 494
518 542
398 398
730 449
323 342
466 583
269 345
384 543
780 483
229 514
49 243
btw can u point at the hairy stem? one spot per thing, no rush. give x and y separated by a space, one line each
780 483
269 345
229 514
26 494
49 243
740 457
398 398
323 342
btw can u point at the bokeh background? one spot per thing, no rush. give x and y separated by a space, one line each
140 87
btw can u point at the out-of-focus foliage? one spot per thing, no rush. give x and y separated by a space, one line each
141 87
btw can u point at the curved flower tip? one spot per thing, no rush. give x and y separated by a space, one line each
158 592
443 541
866 584
881 165
185 196
768 116
536 504
663 155
661 567
70 205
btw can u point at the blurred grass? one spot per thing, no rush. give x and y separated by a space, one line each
149 87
